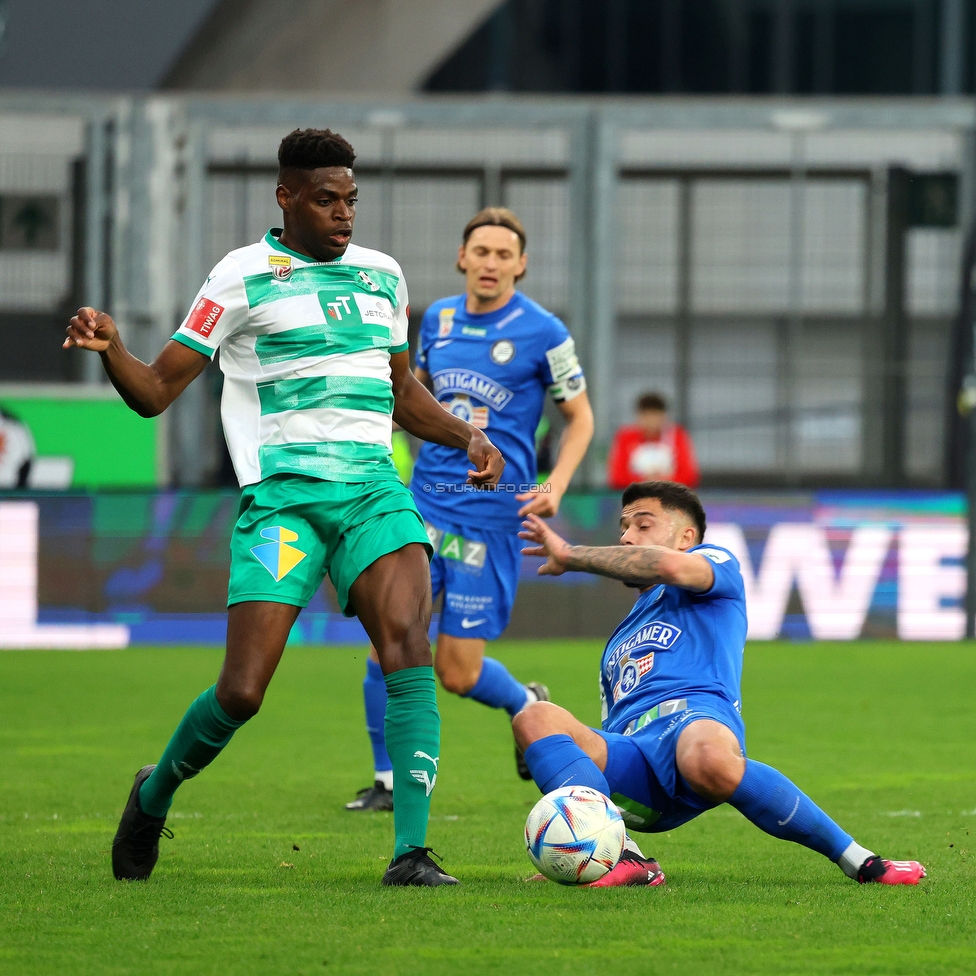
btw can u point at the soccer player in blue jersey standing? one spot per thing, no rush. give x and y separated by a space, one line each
672 743
490 355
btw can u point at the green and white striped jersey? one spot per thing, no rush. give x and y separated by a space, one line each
305 351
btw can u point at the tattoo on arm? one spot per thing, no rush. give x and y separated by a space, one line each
638 565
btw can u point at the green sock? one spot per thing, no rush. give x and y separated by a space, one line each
413 740
205 730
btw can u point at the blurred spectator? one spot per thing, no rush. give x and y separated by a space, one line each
402 456
653 449
16 451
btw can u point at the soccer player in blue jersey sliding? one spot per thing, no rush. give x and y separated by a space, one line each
490 355
672 743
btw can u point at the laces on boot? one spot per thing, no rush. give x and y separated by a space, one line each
145 837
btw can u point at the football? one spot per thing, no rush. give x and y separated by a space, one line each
574 835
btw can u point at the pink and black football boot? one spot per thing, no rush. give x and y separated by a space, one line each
632 871
882 871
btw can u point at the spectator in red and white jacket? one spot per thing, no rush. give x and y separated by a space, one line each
653 449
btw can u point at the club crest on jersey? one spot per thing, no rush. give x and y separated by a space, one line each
631 672
502 352
276 556
368 282
280 265
462 407
445 322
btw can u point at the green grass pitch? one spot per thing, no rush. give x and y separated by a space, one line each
268 874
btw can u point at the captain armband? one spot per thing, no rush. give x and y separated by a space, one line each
567 374
568 389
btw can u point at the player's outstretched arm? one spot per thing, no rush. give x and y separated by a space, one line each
572 447
637 566
418 413
148 388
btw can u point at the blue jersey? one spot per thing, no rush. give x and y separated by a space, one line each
676 643
493 371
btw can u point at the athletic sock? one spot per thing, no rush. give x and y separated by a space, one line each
853 857
413 739
205 729
630 847
557 761
497 688
774 804
374 697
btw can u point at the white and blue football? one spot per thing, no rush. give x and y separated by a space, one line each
574 835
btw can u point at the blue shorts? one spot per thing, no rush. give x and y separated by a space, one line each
641 769
478 572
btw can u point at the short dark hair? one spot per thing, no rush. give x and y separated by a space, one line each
673 498
495 217
313 149
652 401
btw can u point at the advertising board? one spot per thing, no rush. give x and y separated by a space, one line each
826 565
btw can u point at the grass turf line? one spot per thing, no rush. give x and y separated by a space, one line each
880 734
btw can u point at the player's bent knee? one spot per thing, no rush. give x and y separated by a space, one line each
536 721
711 770
457 680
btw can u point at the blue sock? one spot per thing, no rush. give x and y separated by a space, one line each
558 761
497 688
374 696
767 798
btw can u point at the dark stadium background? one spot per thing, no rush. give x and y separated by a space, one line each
761 209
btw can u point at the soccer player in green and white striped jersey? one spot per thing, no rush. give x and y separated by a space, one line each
312 333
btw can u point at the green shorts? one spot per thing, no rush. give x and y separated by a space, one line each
291 530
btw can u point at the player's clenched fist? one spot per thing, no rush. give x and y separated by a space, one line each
90 329
488 460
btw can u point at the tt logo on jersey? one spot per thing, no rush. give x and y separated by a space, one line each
422 776
339 306
280 265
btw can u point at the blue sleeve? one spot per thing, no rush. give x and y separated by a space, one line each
561 370
728 577
428 330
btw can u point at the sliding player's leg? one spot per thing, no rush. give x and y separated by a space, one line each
562 751
559 749
711 761
391 597
256 635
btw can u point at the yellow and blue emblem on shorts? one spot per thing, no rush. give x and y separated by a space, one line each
277 557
